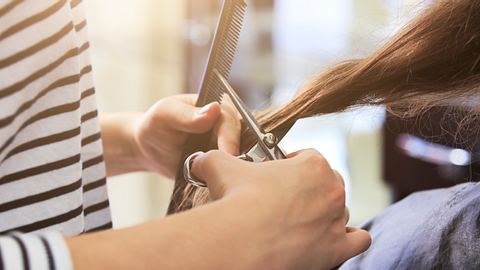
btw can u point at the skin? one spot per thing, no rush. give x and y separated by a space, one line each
153 141
287 214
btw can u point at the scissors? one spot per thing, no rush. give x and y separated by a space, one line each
265 149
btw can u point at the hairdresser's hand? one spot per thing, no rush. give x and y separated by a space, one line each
161 132
153 141
297 203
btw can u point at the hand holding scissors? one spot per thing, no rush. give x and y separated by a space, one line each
265 149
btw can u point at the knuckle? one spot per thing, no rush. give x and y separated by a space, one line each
161 104
337 194
313 155
212 155
310 152
339 176
232 119
158 112
203 164
347 214
314 160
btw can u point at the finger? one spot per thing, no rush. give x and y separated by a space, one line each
228 130
356 242
187 118
215 169
293 154
298 153
189 99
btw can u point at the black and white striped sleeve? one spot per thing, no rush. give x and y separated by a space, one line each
34 251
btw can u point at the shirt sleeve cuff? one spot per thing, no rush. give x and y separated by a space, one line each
45 250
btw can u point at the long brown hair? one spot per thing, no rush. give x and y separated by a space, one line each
435 59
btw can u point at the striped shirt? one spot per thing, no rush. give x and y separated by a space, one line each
52 174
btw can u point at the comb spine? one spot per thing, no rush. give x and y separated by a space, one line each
221 54
234 11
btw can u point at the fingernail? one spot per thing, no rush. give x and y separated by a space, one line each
204 109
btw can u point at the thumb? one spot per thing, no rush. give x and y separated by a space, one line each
357 241
216 169
184 117
200 120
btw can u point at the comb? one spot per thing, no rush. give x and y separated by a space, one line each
220 58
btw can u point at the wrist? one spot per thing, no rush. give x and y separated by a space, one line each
121 151
135 154
213 236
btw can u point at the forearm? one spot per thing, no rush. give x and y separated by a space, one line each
214 236
119 152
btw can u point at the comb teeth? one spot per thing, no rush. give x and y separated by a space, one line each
222 51
220 58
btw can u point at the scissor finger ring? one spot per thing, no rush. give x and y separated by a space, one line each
187 172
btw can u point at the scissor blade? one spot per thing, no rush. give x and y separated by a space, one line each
257 154
238 103
271 152
283 130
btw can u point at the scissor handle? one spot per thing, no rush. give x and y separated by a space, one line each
192 179
246 158
187 174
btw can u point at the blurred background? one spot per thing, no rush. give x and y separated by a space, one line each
144 50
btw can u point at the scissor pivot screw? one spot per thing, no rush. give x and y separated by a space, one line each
270 140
